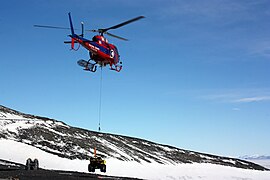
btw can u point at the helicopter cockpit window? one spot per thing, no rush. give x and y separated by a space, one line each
100 39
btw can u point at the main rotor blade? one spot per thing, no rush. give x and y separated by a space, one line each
116 36
51 27
124 23
92 30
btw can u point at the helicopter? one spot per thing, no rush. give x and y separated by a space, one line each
101 52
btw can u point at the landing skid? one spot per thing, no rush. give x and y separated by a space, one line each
116 68
87 65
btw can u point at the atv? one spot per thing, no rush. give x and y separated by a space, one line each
97 163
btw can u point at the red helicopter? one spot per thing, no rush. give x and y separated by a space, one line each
101 52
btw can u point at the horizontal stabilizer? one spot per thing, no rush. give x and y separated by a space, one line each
69 42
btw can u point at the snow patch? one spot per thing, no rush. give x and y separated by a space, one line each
19 152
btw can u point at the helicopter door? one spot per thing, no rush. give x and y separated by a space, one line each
114 54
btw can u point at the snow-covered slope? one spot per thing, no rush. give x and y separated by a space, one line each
59 146
17 151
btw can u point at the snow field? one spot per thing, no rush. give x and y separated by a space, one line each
19 152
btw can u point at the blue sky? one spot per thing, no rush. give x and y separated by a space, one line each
195 73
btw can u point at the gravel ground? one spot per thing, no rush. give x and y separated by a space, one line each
42 174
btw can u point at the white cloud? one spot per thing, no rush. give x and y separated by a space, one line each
217 10
252 99
261 48
239 96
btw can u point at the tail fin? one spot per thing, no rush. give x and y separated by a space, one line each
71 25
72 31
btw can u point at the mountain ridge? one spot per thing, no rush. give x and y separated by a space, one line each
255 157
58 138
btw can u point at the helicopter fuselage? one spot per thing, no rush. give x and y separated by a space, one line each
102 52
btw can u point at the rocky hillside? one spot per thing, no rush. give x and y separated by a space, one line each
69 142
